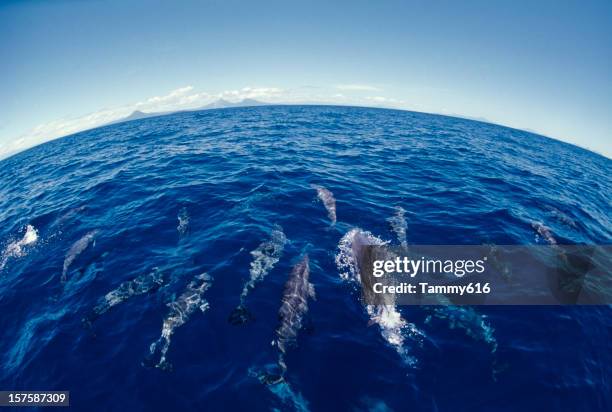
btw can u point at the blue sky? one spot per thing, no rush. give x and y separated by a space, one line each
544 66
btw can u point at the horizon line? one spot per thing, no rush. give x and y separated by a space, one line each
261 103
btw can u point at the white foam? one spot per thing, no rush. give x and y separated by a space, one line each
345 259
19 248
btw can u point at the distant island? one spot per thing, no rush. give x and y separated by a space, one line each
217 104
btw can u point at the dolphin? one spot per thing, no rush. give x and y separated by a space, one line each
328 200
294 306
76 249
265 256
352 258
139 286
180 311
544 232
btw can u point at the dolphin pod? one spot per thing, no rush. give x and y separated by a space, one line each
139 286
76 249
180 311
328 200
353 252
265 256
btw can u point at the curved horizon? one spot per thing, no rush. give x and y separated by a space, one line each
542 67
150 115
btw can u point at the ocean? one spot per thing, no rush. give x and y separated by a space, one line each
126 250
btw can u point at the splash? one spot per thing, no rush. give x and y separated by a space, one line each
393 327
18 248
135 287
265 256
399 225
328 200
346 259
75 250
183 222
180 311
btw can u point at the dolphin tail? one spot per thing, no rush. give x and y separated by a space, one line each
157 355
240 316
268 378
165 366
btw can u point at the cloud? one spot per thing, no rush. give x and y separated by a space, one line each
61 127
264 93
186 98
358 88
178 99
387 101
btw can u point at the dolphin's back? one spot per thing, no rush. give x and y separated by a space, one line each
294 304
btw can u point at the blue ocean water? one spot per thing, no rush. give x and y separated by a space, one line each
177 196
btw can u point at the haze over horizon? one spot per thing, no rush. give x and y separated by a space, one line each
70 66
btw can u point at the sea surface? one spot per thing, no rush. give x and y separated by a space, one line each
107 232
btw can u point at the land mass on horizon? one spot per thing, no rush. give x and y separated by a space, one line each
217 104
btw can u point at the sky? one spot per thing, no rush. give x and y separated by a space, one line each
541 66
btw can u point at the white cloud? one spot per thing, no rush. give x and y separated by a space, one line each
265 93
386 101
358 88
185 98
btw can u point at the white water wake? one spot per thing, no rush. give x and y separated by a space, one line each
19 248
